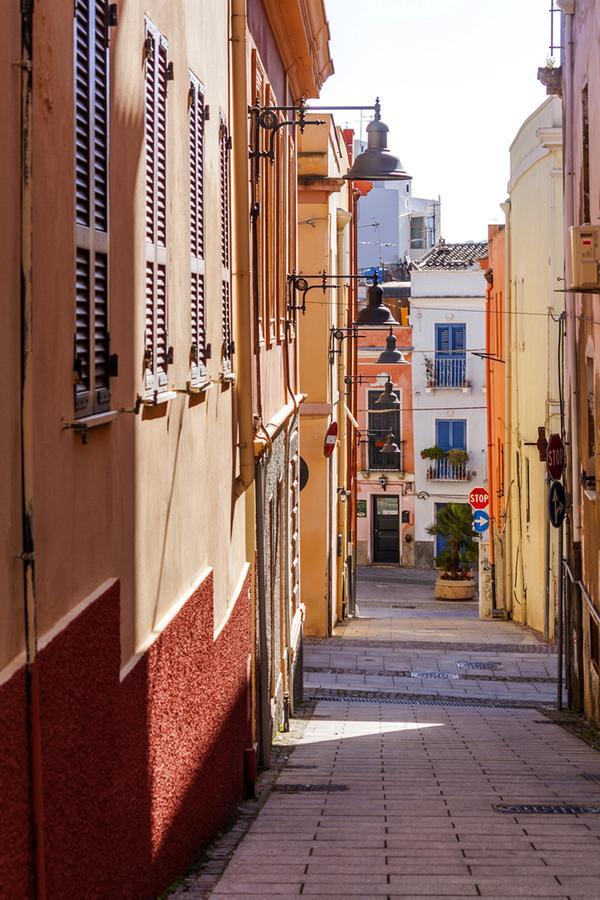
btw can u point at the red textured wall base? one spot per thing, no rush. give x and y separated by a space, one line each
137 775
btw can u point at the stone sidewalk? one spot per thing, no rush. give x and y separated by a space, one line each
407 785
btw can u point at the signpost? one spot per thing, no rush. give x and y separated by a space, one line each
557 504
330 439
555 457
479 498
481 520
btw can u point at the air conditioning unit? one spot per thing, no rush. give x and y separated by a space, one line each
584 243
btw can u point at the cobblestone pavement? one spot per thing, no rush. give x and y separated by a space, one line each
391 793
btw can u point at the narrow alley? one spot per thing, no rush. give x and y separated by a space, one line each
430 763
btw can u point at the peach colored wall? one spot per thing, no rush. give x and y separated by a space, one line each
138 501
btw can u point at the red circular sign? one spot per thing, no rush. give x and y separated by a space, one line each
479 498
330 439
555 457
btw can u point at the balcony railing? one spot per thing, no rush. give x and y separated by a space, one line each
448 373
442 470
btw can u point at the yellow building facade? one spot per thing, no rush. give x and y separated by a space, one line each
324 217
533 305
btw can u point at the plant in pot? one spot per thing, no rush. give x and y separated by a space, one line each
458 458
433 454
429 371
455 525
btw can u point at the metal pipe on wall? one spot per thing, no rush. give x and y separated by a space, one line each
33 693
243 309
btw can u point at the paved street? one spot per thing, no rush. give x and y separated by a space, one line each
427 722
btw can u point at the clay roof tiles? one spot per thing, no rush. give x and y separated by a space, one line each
452 257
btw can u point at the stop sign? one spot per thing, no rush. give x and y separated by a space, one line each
330 439
479 498
555 457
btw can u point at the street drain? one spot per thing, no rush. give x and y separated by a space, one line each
543 810
330 696
313 788
433 675
479 666
592 776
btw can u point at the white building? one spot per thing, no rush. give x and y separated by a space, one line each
449 403
394 225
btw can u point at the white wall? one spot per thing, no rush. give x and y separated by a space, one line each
447 297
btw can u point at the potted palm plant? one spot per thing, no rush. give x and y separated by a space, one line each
455 524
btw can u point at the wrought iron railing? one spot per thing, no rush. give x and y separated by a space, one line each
443 470
449 373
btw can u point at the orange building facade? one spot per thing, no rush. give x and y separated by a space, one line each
496 401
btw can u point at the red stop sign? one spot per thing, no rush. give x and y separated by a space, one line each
330 439
555 457
479 498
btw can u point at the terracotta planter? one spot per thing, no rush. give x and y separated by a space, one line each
446 589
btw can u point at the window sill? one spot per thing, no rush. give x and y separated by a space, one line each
86 423
159 397
227 377
195 389
591 495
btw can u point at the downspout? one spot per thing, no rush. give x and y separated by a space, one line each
508 591
573 611
244 329
570 301
489 277
33 699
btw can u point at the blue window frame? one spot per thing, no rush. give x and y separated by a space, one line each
450 355
451 434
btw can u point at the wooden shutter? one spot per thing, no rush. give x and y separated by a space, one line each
157 353
198 353
259 82
91 87
224 148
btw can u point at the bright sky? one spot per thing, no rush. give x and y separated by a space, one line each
456 79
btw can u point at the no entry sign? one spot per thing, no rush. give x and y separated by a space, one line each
330 439
555 457
479 498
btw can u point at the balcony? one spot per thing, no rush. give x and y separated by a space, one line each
443 470
447 373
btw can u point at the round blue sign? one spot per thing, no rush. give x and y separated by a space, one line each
481 520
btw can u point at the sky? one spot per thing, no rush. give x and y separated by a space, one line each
456 78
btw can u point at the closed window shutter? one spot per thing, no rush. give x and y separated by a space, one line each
459 339
91 85
157 353
224 147
198 353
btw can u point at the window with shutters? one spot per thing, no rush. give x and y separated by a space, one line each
292 216
157 353
224 149
198 348
92 361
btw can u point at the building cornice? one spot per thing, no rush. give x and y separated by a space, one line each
301 30
551 138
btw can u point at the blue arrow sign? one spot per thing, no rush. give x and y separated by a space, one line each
481 520
557 504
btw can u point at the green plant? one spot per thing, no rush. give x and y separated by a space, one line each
458 457
433 453
455 524
429 369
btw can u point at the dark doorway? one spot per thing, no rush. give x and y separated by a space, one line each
386 529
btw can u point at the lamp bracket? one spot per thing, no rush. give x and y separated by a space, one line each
267 118
300 284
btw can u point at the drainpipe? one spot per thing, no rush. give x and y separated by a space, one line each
570 301
33 699
573 611
489 277
244 329
508 590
